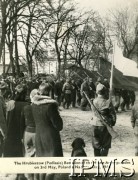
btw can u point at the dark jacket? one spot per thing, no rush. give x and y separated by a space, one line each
48 124
28 120
92 89
13 144
58 88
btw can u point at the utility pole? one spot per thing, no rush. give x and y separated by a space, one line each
112 74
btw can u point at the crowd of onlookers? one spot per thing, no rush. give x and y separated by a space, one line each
67 92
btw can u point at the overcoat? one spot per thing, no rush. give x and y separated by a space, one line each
48 124
13 143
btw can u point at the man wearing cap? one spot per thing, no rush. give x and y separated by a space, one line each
101 139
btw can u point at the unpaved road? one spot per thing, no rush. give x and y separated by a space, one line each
77 123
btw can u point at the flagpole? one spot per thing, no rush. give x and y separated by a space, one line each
112 74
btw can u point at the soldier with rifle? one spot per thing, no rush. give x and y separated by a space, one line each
104 117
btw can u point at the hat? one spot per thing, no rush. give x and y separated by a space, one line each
100 89
3 85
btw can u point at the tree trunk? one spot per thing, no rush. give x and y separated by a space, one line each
30 69
29 63
58 58
3 63
65 60
16 47
59 69
3 24
10 47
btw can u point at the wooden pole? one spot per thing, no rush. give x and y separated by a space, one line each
112 74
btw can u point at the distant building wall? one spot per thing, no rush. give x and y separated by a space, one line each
49 67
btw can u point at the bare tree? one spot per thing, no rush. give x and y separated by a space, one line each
34 29
123 26
11 10
90 41
63 15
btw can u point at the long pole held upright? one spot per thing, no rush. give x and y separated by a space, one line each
112 74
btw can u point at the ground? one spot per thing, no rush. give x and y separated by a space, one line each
77 123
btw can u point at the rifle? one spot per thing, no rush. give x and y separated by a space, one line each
110 129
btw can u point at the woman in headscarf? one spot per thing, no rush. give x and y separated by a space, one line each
48 125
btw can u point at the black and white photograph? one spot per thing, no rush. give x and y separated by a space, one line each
68 82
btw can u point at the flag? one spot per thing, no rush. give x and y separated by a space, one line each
127 66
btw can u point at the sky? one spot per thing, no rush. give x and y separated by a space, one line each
102 6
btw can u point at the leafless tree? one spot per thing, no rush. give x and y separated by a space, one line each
63 15
33 32
123 26
90 41
11 10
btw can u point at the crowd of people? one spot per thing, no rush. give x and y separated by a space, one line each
30 121
67 92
